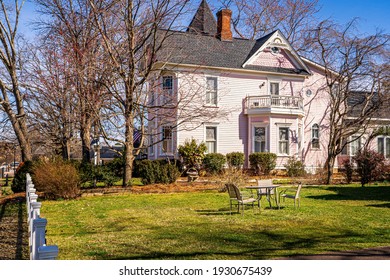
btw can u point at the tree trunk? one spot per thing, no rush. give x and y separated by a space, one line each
85 135
25 146
129 148
329 169
20 129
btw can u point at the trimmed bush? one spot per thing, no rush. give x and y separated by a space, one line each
157 171
214 163
235 159
295 167
57 179
19 181
192 153
263 163
370 166
89 172
117 166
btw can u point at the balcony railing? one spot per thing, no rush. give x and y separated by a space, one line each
273 101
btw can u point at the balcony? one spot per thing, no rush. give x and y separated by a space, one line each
274 104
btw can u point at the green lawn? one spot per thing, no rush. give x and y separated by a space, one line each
199 225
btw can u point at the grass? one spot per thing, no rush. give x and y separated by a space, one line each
198 225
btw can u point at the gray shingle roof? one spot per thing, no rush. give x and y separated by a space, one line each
207 50
378 105
203 22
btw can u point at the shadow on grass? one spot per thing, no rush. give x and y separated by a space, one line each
261 245
356 193
13 222
225 211
384 205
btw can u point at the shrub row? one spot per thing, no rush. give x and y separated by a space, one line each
157 171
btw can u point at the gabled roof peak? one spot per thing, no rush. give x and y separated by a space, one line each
203 22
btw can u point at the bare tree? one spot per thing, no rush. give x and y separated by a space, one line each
256 18
355 79
129 30
71 23
11 67
52 96
136 38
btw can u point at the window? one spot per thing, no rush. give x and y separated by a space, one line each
211 91
283 140
211 139
167 142
315 136
274 88
352 147
167 84
387 148
384 146
259 139
355 145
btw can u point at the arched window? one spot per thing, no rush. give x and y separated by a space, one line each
315 136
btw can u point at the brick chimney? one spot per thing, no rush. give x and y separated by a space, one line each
223 25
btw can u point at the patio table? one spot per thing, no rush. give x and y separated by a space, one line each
268 190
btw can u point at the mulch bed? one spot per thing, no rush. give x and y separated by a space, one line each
153 188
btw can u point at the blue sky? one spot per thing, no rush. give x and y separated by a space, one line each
373 14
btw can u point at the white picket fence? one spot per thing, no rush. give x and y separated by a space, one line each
37 226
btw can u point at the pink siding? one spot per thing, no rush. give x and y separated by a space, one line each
315 113
269 59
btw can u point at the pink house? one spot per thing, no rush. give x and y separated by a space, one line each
260 94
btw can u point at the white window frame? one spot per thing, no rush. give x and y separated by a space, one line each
211 98
313 138
270 87
260 125
355 145
167 92
280 141
215 127
168 141
386 146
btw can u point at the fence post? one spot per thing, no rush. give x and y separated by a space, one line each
37 226
34 215
47 252
38 236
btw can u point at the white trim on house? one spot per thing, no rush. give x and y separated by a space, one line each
283 45
255 125
227 70
211 125
216 78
